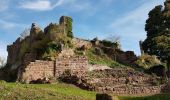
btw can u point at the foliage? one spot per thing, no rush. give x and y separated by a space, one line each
58 91
115 40
69 27
146 61
51 51
158 32
25 48
108 43
78 52
100 59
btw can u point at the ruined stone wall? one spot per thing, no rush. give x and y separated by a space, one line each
36 70
80 42
133 90
13 51
46 69
77 65
127 57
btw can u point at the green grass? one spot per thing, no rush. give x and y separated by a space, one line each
154 97
58 91
101 59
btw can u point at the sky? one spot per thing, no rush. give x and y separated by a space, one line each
91 18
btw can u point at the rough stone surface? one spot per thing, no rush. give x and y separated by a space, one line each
77 65
36 70
116 81
79 43
46 69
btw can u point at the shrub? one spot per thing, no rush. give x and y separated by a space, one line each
159 70
107 43
51 51
24 49
146 61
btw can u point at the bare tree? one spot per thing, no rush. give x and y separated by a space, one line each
113 38
25 33
2 62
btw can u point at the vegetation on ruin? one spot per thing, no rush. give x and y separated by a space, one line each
102 59
69 28
146 61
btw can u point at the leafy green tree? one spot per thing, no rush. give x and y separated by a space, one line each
158 33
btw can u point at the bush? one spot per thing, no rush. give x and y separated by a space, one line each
23 50
107 43
159 70
146 61
51 51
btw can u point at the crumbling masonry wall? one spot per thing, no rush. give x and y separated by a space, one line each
36 70
45 69
77 65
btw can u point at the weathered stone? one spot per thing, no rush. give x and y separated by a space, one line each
105 97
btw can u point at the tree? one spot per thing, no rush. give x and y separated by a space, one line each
2 62
158 33
115 40
25 33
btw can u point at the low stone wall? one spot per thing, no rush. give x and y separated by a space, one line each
46 69
36 70
77 65
132 90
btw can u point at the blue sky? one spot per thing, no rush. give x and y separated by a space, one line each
91 18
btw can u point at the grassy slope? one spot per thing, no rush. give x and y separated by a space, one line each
101 59
59 91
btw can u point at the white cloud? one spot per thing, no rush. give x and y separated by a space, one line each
10 25
4 4
137 16
6 25
40 5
